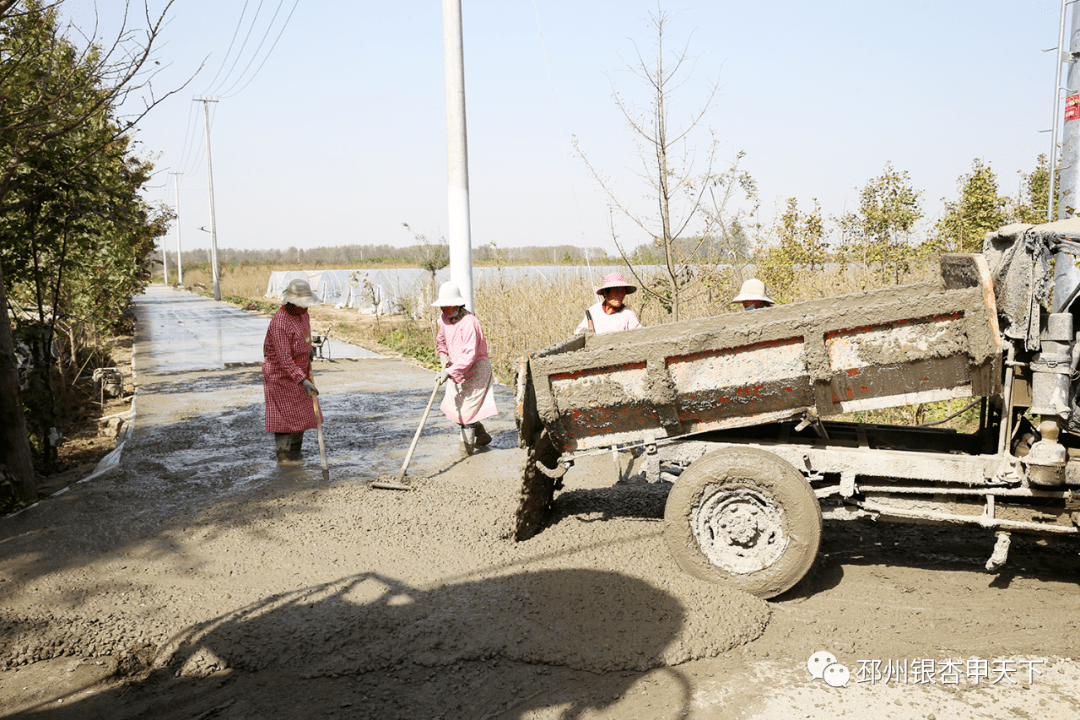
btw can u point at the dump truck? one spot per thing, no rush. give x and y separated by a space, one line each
748 414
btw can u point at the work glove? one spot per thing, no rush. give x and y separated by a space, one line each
443 376
309 386
444 359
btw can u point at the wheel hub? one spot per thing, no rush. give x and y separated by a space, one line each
739 529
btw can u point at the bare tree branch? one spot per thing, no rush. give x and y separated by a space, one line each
118 78
688 211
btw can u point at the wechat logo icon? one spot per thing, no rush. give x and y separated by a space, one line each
822 665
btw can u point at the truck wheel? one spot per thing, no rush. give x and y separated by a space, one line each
537 489
743 517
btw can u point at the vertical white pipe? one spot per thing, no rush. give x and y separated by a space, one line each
457 152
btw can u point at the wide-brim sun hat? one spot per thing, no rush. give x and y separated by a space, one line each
449 296
298 292
752 289
615 280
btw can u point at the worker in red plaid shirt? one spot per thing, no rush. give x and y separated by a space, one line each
287 383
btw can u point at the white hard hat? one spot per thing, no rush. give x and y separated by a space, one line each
752 289
299 293
449 296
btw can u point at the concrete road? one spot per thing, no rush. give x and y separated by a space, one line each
184 331
198 360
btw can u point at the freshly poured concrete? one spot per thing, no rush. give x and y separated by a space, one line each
183 331
257 590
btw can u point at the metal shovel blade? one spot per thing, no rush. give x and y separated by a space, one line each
390 483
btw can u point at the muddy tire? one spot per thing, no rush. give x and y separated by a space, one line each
537 490
743 517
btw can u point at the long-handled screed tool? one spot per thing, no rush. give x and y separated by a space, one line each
397 482
322 444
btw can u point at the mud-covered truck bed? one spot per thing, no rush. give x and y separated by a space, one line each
890 347
740 402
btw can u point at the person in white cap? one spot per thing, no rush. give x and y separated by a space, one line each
287 384
610 314
752 295
463 353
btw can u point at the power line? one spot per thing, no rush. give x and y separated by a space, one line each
196 158
268 52
236 32
241 50
186 148
188 158
269 27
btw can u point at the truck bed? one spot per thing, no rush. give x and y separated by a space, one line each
884 348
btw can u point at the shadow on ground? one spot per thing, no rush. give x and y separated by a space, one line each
368 646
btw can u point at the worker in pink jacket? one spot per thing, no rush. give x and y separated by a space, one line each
463 353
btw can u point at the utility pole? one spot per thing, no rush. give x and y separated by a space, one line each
457 151
1051 195
1070 141
179 258
210 176
1065 273
165 259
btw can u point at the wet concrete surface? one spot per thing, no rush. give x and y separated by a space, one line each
184 331
203 579
371 405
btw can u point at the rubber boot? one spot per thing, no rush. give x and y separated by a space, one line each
482 436
282 442
468 441
296 440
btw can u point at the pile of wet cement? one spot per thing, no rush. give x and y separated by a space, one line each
587 593
341 579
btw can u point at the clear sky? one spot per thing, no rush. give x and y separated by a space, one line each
340 136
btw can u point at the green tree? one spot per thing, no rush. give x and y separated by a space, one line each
61 190
1029 206
799 247
434 256
692 197
978 211
878 235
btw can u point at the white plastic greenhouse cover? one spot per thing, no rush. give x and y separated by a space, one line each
399 290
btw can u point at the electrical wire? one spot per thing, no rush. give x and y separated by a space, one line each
240 52
189 159
232 42
187 136
961 411
228 93
197 159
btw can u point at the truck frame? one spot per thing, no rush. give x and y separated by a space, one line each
736 411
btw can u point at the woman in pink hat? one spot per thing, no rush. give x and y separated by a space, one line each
610 314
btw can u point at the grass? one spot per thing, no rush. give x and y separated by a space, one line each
414 342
